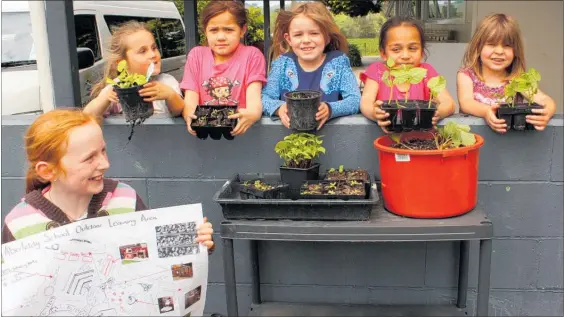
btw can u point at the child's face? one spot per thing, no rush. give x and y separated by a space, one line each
85 161
496 57
224 34
141 51
403 45
306 38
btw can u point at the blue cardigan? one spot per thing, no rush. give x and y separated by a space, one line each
337 83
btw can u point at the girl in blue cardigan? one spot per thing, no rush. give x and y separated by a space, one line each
309 53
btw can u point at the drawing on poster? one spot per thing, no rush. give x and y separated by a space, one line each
177 239
90 279
192 297
134 253
166 304
182 271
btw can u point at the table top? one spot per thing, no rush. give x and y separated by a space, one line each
382 226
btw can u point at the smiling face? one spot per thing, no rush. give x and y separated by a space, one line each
306 39
403 45
141 51
224 35
496 57
85 161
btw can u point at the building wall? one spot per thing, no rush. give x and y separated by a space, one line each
520 188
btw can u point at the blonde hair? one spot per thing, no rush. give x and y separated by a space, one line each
117 51
320 15
496 28
46 140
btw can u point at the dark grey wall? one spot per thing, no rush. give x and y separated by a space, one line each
521 188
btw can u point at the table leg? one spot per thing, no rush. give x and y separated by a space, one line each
229 273
463 273
256 272
484 277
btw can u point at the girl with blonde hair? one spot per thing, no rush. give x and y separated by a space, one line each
493 57
309 53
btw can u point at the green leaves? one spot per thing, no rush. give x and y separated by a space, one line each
390 63
526 84
436 85
299 149
454 135
125 79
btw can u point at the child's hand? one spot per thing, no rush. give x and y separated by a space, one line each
205 232
323 114
436 118
498 125
188 117
109 95
539 120
246 119
282 112
156 91
381 116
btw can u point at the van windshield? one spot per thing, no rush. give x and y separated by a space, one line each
17 42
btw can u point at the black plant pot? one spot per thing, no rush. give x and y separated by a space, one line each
295 177
411 115
214 130
133 105
302 107
278 192
515 116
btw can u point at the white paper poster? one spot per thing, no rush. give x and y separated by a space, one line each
135 264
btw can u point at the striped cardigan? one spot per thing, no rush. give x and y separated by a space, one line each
35 214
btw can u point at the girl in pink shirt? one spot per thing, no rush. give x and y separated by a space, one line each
402 40
225 72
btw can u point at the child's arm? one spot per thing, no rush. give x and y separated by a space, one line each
541 116
445 106
271 91
156 90
99 105
465 89
349 91
370 107
252 112
191 99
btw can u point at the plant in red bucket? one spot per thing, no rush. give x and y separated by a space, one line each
430 174
513 111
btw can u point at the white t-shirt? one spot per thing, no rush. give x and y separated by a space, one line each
159 106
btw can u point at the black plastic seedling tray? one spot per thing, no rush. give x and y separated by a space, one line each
338 184
416 115
515 116
234 207
280 191
213 130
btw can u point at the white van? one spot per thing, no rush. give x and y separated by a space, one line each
93 24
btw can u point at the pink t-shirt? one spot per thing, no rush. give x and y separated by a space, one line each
225 83
418 91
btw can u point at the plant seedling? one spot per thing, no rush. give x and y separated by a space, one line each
387 77
526 84
436 85
454 135
125 79
298 150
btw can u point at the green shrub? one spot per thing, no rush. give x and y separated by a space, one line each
354 56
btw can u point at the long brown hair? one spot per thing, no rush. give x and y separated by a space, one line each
320 15
217 7
46 140
496 28
117 51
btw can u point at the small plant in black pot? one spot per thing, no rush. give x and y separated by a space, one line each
514 110
406 114
343 174
299 150
343 189
302 107
214 121
127 88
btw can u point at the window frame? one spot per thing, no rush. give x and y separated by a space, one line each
97 54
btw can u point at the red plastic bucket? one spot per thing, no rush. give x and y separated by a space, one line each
428 183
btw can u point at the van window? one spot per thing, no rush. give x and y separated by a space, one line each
168 33
172 38
87 34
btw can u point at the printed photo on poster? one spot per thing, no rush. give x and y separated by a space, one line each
133 253
166 304
181 271
192 297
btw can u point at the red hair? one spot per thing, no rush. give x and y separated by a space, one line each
46 140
